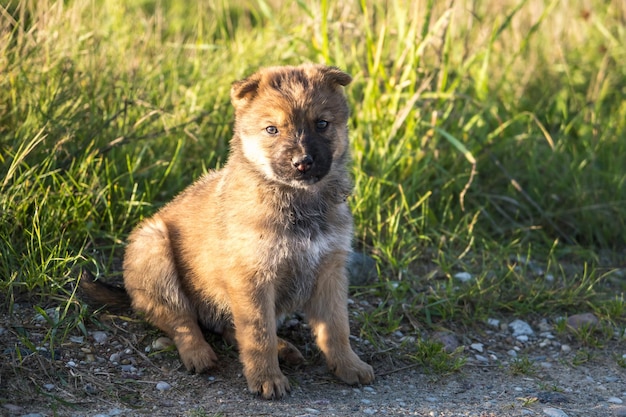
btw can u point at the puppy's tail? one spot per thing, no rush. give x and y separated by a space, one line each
101 294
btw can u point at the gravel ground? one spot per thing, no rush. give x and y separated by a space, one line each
513 368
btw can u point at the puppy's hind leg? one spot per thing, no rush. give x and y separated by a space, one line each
152 281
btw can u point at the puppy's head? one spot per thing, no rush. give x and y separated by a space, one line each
292 122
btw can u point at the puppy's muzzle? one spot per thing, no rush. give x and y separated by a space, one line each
303 163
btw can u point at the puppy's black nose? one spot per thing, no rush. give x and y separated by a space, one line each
303 163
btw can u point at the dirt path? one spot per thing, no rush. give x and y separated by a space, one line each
113 372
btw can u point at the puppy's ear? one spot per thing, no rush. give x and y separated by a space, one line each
245 90
334 75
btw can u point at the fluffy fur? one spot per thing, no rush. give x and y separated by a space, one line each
267 234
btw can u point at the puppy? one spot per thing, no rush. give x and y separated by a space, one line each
266 235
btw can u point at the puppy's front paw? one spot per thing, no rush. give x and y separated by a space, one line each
269 386
352 370
198 357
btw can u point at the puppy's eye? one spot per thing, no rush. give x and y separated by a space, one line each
321 124
272 130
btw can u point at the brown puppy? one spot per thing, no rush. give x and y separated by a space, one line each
266 235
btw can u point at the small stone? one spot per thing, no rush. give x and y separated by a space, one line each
481 358
478 347
90 389
432 399
361 269
12 408
370 390
71 364
369 411
312 410
447 339
566 348
551 397
163 386
128 368
463 276
544 326
162 343
521 328
494 323
99 337
365 401
580 321
522 338
615 400
115 357
48 387
554 412
512 353
77 339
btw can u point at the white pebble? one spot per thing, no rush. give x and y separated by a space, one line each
370 390
463 276
522 338
512 353
478 347
115 357
365 401
77 339
566 348
163 386
481 358
312 410
615 400
369 411
520 327
493 323
48 387
554 412
99 337
71 364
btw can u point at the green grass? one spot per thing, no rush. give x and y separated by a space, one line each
482 135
